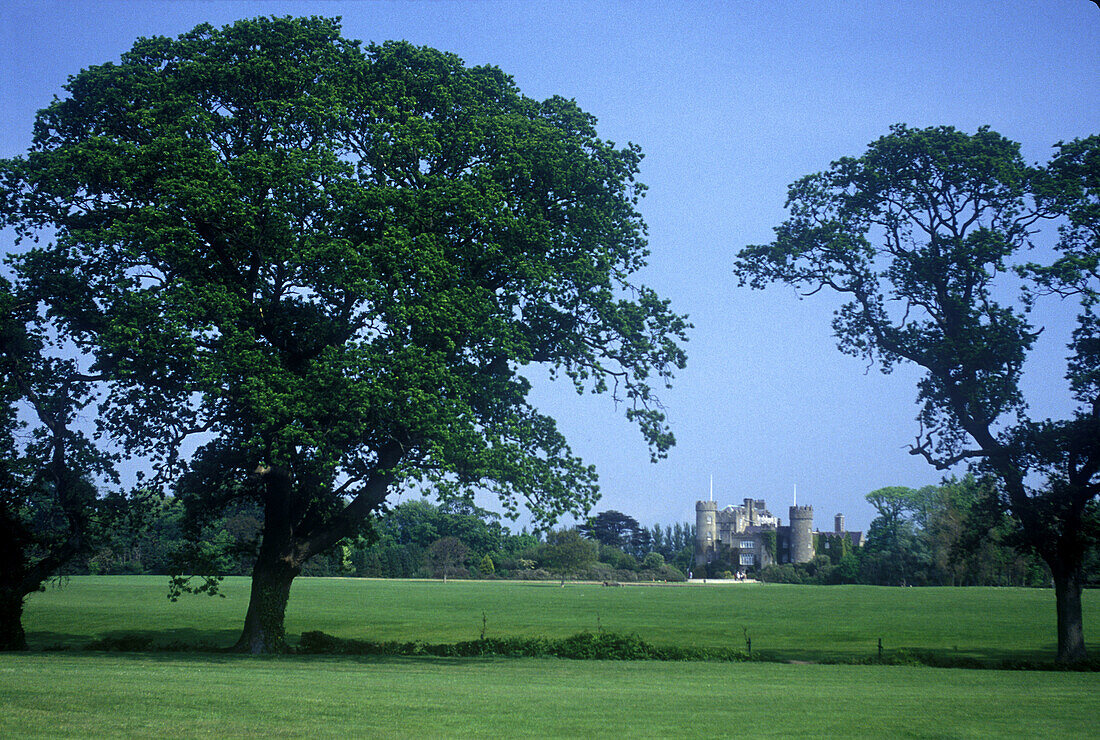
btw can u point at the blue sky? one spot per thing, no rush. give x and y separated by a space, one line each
731 102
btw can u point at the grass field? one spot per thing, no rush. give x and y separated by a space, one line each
98 695
74 693
785 622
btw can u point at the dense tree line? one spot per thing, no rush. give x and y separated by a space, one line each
415 539
954 534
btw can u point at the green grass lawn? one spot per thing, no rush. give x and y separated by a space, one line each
91 694
177 695
787 622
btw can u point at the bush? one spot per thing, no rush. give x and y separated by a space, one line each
486 566
785 573
663 573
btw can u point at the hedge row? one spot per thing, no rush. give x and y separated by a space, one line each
581 646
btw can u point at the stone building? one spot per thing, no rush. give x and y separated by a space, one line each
749 536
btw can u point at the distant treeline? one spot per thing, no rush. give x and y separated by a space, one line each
416 539
954 534
947 535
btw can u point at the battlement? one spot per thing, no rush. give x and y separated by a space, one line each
802 512
706 506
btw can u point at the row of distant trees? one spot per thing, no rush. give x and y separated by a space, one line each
954 534
415 539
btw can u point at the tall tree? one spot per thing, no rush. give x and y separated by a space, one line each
337 262
612 528
894 554
892 503
447 553
48 504
566 552
915 234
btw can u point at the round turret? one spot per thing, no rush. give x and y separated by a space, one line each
802 534
706 531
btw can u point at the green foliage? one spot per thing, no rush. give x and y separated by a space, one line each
767 539
953 534
448 555
50 509
337 262
616 558
581 646
169 539
566 552
613 529
485 566
915 234
351 260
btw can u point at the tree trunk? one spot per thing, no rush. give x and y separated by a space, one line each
12 636
1067 595
264 631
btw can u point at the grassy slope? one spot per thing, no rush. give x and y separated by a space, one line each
794 622
171 695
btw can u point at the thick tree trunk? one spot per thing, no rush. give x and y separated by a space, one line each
14 544
1067 595
12 636
273 572
286 546
264 631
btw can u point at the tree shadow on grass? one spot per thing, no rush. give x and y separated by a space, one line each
228 658
178 640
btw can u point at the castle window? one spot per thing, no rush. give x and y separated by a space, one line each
748 545
709 521
748 558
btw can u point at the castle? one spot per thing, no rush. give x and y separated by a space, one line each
749 537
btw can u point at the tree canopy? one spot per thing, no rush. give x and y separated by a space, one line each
336 263
612 528
49 506
567 552
919 234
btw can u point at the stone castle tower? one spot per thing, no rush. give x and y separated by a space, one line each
706 531
802 534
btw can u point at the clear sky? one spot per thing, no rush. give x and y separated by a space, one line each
731 102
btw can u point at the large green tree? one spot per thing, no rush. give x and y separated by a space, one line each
49 508
612 528
566 552
337 263
919 233
895 555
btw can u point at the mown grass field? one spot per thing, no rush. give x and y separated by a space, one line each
786 622
110 695
74 693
